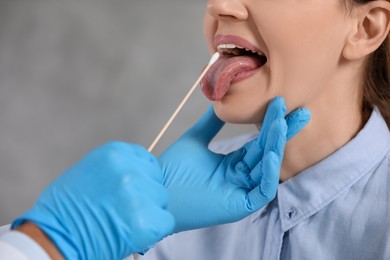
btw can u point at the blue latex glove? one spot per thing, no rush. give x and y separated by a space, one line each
207 189
108 206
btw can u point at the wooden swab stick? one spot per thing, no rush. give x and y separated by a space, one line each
213 59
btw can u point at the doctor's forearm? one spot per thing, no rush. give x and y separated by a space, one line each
34 232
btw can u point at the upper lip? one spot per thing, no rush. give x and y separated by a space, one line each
236 40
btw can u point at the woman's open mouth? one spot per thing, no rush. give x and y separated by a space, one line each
239 60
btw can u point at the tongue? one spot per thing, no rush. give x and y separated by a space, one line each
217 80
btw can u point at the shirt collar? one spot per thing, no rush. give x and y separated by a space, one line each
314 188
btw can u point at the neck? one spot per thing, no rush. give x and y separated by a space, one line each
318 140
336 117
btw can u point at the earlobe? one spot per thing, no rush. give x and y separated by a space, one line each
371 30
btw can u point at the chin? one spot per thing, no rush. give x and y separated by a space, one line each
240 115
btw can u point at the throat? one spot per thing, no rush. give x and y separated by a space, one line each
318 140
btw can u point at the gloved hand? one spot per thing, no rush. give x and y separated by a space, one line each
108 206
207 189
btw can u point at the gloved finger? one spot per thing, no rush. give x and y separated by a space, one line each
275 143
255 149
122 159
117 163
153 192
144 167
139 151
145 188
276 109
296 121
164 224
127 149
206 128
266 190
150 227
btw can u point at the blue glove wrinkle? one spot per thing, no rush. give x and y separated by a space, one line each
254 153
243 178
242 167
238 173
276 140
270 181
257 173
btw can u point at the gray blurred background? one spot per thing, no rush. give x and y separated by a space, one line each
76 74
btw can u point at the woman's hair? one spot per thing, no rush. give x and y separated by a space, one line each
376 77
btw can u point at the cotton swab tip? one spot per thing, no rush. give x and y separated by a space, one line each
214 58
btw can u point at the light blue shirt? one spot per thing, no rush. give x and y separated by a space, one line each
336 209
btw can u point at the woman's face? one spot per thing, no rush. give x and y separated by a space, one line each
302 41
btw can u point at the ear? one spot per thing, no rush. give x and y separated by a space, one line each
371 29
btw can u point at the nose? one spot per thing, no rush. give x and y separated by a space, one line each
227 9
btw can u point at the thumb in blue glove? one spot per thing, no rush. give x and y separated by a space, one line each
207 188
108 206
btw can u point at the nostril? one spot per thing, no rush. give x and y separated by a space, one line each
227 16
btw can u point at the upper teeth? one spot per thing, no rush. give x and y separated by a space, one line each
229 47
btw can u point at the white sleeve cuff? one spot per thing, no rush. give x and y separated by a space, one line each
23 244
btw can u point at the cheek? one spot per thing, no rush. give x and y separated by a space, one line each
304 33
303 59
